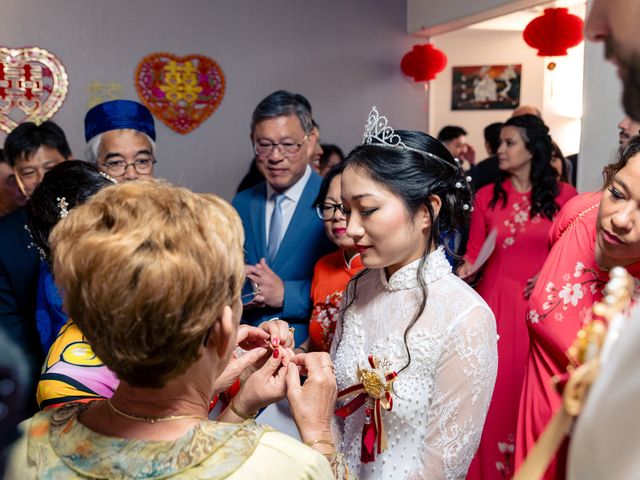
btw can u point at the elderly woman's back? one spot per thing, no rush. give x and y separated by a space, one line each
151 275
54 444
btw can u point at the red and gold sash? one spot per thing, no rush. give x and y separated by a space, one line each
374 392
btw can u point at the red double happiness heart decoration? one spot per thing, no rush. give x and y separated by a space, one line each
33 85
181 91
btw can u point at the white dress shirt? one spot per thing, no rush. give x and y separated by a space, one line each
289 204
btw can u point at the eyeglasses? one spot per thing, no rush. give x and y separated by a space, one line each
326 211
264 148
143 166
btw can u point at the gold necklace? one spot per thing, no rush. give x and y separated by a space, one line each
137 418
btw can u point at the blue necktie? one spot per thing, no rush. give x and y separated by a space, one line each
275 227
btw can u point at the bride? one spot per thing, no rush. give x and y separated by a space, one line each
415 353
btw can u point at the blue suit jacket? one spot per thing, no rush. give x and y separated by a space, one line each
303 244
19 266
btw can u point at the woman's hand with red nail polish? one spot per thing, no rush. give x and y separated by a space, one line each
279 333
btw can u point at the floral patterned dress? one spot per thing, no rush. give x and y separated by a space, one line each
54 445
330 277
570 282
521 249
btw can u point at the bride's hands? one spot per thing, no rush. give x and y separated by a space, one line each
279 332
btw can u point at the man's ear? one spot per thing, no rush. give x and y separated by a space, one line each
222 332
314 136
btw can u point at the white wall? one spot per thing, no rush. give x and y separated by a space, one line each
479 47
344 56
601 108
602 111
557 94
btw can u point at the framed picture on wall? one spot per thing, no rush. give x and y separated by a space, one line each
486 87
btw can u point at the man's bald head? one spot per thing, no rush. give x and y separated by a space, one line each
526 110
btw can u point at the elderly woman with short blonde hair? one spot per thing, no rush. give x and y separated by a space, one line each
152 275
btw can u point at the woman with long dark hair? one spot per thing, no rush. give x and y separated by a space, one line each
415 351
520 207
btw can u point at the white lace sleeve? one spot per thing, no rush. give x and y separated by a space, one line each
337 336
462 392
337 424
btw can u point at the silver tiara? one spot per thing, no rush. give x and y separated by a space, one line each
379 133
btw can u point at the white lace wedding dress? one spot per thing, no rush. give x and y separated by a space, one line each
441 399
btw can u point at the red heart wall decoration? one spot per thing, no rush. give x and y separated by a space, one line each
181 91
33 85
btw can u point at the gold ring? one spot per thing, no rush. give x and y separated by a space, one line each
292 330
328 365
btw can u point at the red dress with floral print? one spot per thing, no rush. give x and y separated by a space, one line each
521 249
330 277
570 282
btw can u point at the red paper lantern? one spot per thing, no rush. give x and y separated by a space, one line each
423 62
555 31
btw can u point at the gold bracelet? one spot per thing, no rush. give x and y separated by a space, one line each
240 413
311 443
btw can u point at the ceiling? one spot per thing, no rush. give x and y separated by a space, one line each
518 21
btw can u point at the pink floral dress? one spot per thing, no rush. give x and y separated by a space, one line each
521 249
570 282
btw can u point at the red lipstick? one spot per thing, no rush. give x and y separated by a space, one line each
611 239
362 248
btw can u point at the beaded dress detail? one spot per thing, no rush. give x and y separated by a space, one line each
441 399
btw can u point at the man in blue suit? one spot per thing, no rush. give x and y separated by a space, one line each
283 236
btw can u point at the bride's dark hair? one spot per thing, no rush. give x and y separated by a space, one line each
74 181
415 177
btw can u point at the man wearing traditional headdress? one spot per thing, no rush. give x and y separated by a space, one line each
120 137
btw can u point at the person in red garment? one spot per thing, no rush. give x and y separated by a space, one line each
594 232
520 206
333 271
